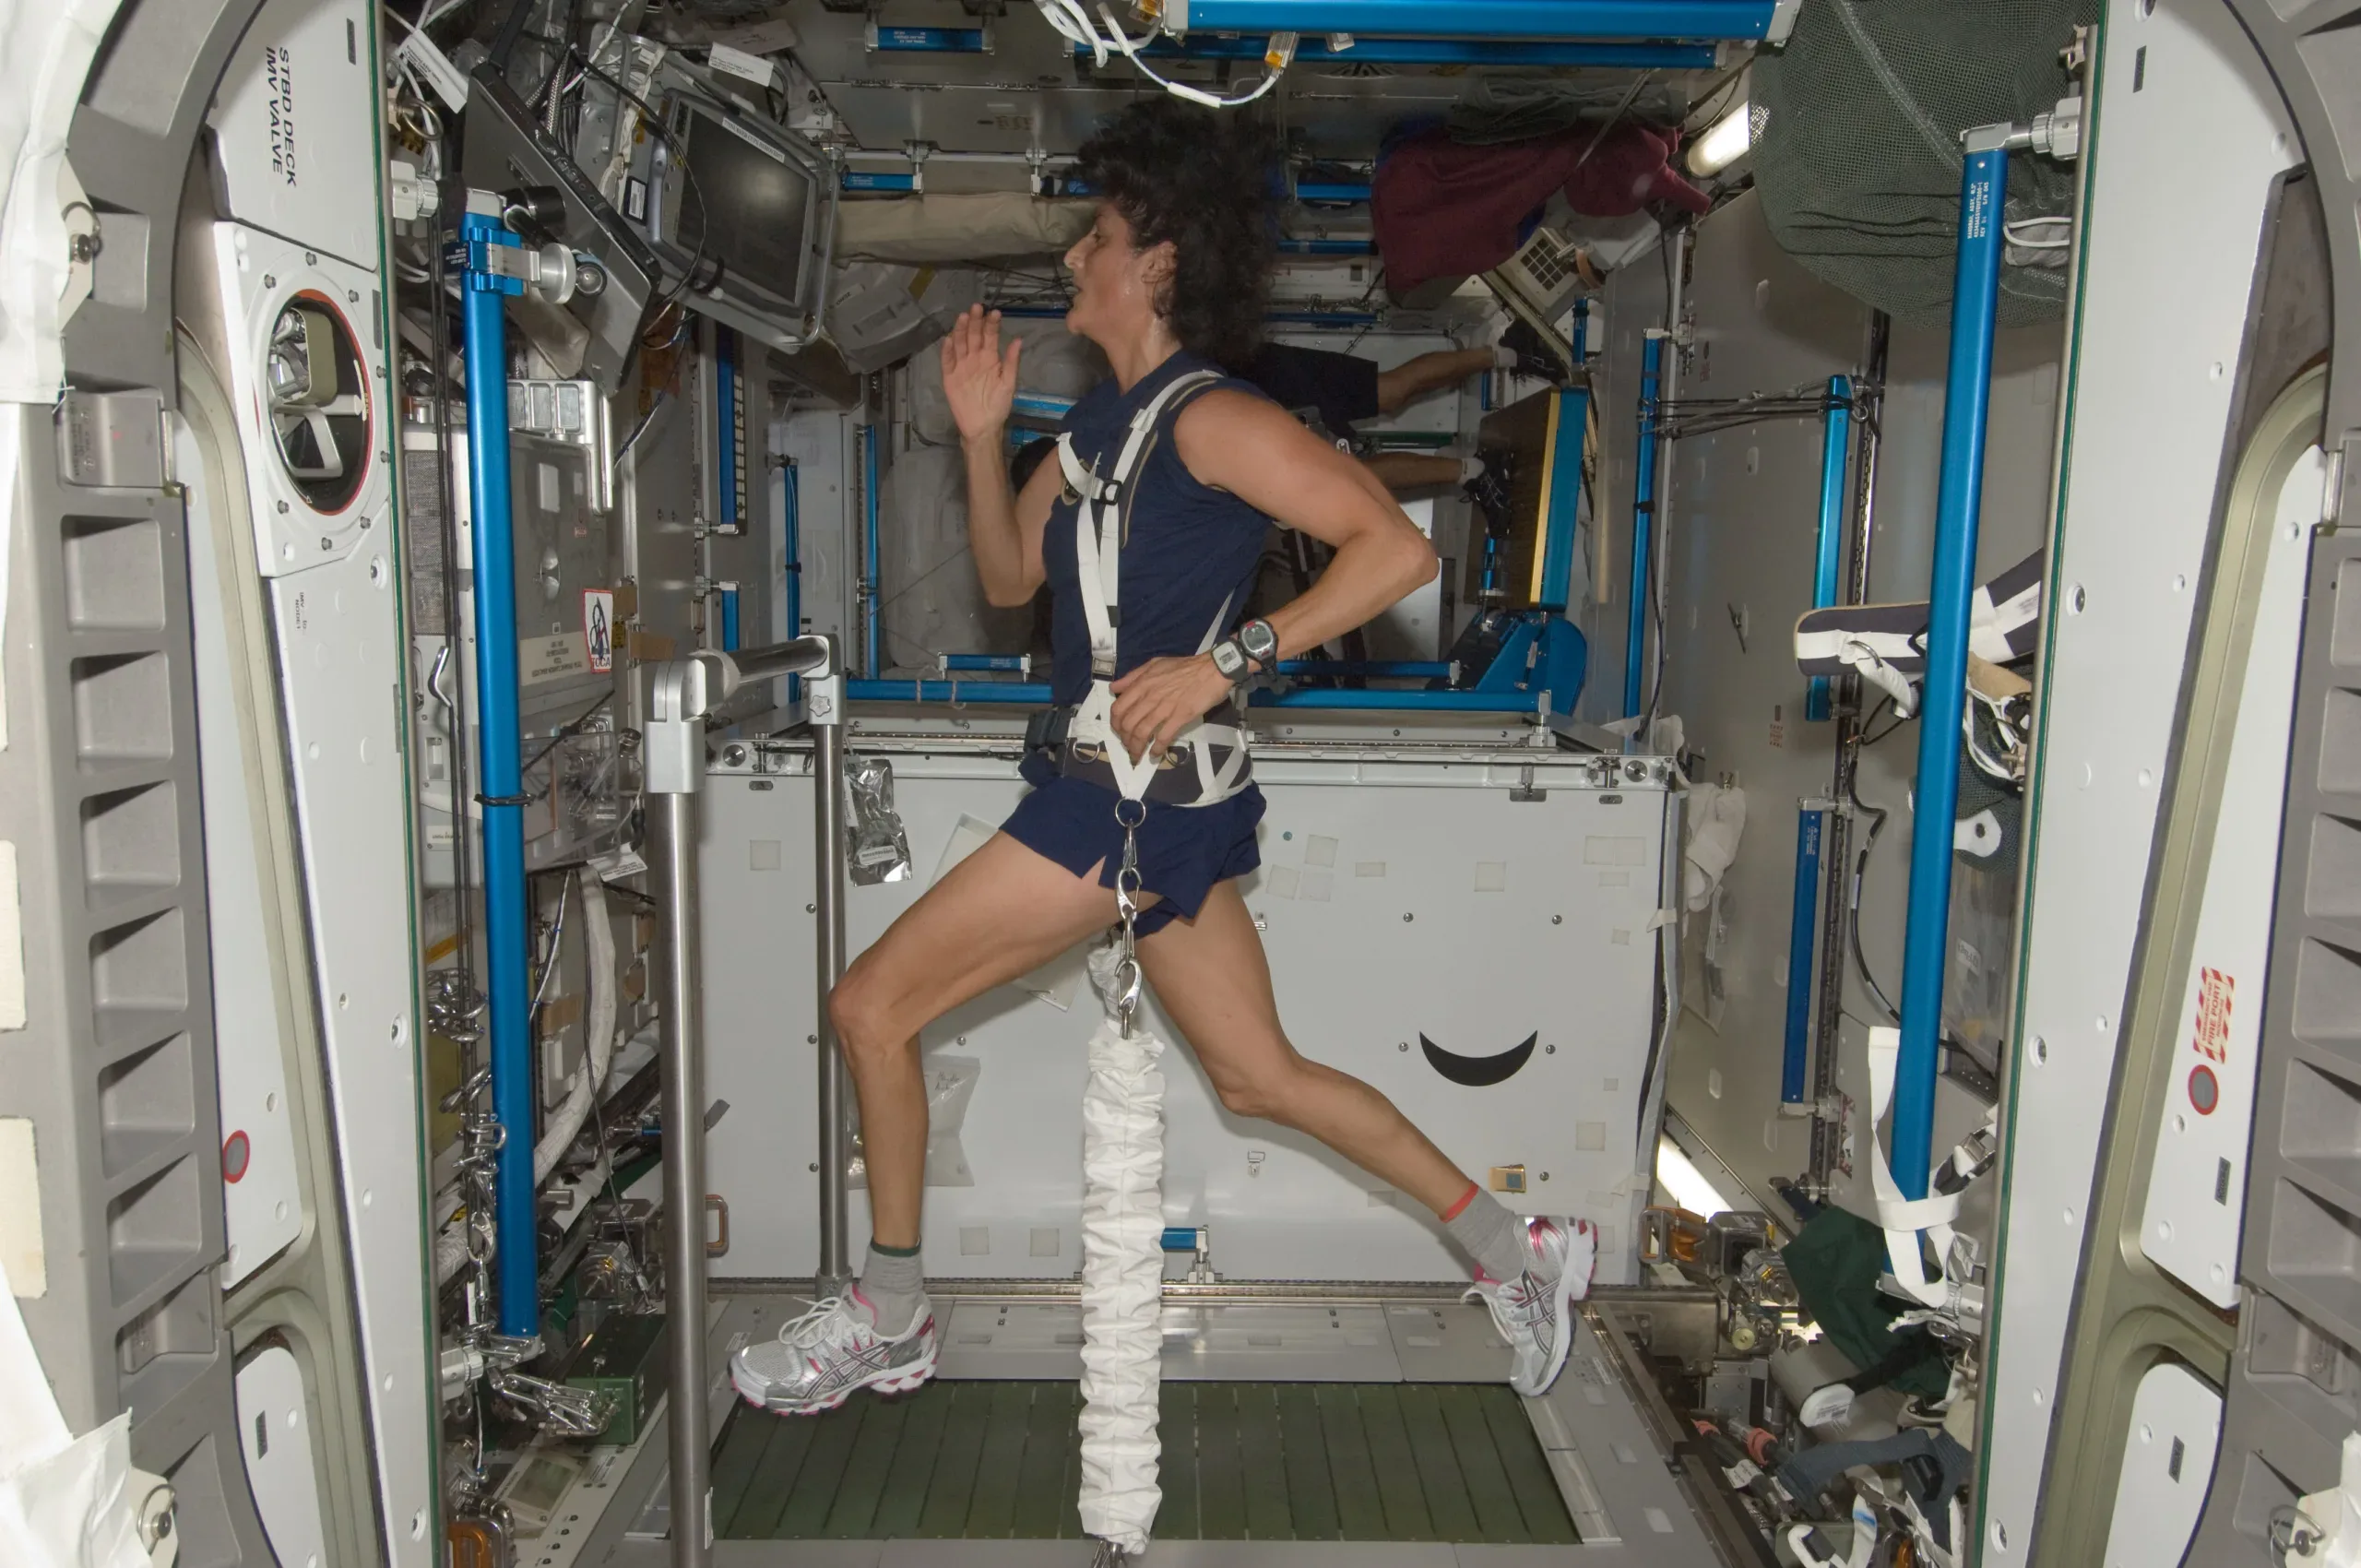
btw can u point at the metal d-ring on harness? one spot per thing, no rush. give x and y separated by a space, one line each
1130 814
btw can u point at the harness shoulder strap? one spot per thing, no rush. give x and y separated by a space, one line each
1102 517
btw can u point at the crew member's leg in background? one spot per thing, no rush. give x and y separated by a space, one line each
1408 473
1413 379
1519 350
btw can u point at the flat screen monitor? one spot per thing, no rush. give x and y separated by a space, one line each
748 207
739 208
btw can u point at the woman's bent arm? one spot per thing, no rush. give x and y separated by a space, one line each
1248 446
1004 530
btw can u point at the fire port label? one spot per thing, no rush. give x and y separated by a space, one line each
598 629
2214 993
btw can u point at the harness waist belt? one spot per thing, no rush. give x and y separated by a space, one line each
1207 763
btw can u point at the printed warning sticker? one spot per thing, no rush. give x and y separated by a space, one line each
598 629
549 659
2214 992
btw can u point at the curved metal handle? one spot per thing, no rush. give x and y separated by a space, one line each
718 1246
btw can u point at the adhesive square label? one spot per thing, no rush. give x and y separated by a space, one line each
598 629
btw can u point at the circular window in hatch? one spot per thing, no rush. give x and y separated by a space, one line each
319 401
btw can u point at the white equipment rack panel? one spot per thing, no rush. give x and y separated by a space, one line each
1406 892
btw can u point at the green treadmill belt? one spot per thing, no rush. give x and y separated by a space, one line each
1243 1461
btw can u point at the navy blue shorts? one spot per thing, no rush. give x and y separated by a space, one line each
1184 851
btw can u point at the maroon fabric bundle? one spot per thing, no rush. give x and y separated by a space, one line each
1442 209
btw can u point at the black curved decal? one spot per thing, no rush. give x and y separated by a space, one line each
1479 1072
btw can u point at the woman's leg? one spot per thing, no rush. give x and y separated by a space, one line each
1211 976
1002 912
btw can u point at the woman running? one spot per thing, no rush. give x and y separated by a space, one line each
1147 524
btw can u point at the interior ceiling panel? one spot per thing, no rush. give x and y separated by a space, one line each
1030 92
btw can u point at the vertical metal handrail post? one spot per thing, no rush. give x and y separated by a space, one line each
681 692
824 706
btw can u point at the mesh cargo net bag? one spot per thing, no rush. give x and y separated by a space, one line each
1856 154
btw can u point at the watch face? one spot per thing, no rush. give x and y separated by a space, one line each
1260 641
1228 659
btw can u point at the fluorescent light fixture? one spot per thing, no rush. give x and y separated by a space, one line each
1679 1177
1725 143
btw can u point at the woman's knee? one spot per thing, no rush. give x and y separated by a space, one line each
1264 1092
862 1017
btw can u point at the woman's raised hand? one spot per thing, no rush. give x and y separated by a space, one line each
979 379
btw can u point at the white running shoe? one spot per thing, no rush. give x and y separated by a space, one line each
1533 1311
819 1358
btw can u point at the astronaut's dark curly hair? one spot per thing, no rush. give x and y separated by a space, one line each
1204 180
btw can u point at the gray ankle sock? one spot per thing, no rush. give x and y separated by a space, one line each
1491 1235
893 1285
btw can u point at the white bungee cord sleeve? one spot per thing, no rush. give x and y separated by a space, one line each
1123 1273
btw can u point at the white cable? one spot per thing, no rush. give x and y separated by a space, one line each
598 1042
1123 1276
1073 23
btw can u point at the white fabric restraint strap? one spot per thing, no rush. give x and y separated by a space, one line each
1860 656
1903 1218
1101 519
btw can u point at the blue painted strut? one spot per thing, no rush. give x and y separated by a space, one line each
1650 19
929 40
1836 435
730 471
1439 52
1804 922
1643 508
1976 293
1562 497
509 988
1040 406
729 616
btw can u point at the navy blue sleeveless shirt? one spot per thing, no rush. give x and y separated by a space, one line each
1192 549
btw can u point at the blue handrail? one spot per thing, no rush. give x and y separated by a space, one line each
1836 435
1643 506
1976 295
1532 20
509 988
1802 929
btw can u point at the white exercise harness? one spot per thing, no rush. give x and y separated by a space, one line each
1102 528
